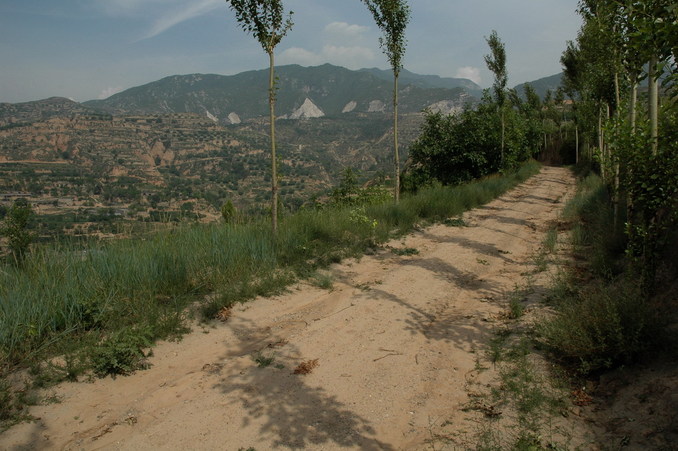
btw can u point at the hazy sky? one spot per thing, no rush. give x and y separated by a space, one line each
88 49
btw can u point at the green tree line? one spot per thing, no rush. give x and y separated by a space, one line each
633 132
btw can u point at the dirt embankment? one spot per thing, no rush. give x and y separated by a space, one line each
395 341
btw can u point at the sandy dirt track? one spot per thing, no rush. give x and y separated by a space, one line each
395 341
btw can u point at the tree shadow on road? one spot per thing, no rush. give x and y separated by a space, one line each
291 412
482 248
465 331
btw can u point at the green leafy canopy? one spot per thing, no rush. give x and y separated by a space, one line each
392 17
264 19
497 64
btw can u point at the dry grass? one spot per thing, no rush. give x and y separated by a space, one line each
306 367
224 314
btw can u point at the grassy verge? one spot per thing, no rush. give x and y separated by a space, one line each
521 400
601 317
100 306
528 398
525 399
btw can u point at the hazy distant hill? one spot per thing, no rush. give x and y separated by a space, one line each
325 90
427 81
542 85
12 114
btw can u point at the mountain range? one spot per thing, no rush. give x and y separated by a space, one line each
302 92
543 85
188 143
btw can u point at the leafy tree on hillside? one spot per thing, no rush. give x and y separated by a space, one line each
15 229
229 212
267 22
453 149
392 17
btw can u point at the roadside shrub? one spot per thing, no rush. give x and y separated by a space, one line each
15 228
123 352
602 326
609 320
11 406
7 410
229 212
594 235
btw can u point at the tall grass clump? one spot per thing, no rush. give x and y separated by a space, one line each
602 325
97 293
602 318
436 203
594 233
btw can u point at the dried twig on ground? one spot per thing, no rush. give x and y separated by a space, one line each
224 314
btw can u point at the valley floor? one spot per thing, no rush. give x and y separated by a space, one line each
395 351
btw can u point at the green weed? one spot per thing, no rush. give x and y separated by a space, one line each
12 406
322 280
122 353
405 251
263 361
497 345
454 222
550 241
542 260
49 373
516 307
525 391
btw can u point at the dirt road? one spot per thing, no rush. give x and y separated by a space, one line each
395 340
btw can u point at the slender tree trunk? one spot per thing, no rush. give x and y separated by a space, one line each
274 170
653 93
617 96
632 103
396 194
606 145
503 134
601 147
615 160
576 143
632 119
617 199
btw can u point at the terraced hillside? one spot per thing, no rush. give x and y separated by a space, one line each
91 170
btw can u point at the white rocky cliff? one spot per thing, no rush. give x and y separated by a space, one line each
307 111
350 106
376 106
234 118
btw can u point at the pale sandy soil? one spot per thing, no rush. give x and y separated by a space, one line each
397 341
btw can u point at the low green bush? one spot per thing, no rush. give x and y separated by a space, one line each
603 325
12 406
602 317
123 352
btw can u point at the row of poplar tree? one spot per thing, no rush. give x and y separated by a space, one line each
622 74
268 23
629 132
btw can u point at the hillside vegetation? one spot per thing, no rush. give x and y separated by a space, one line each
102 304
